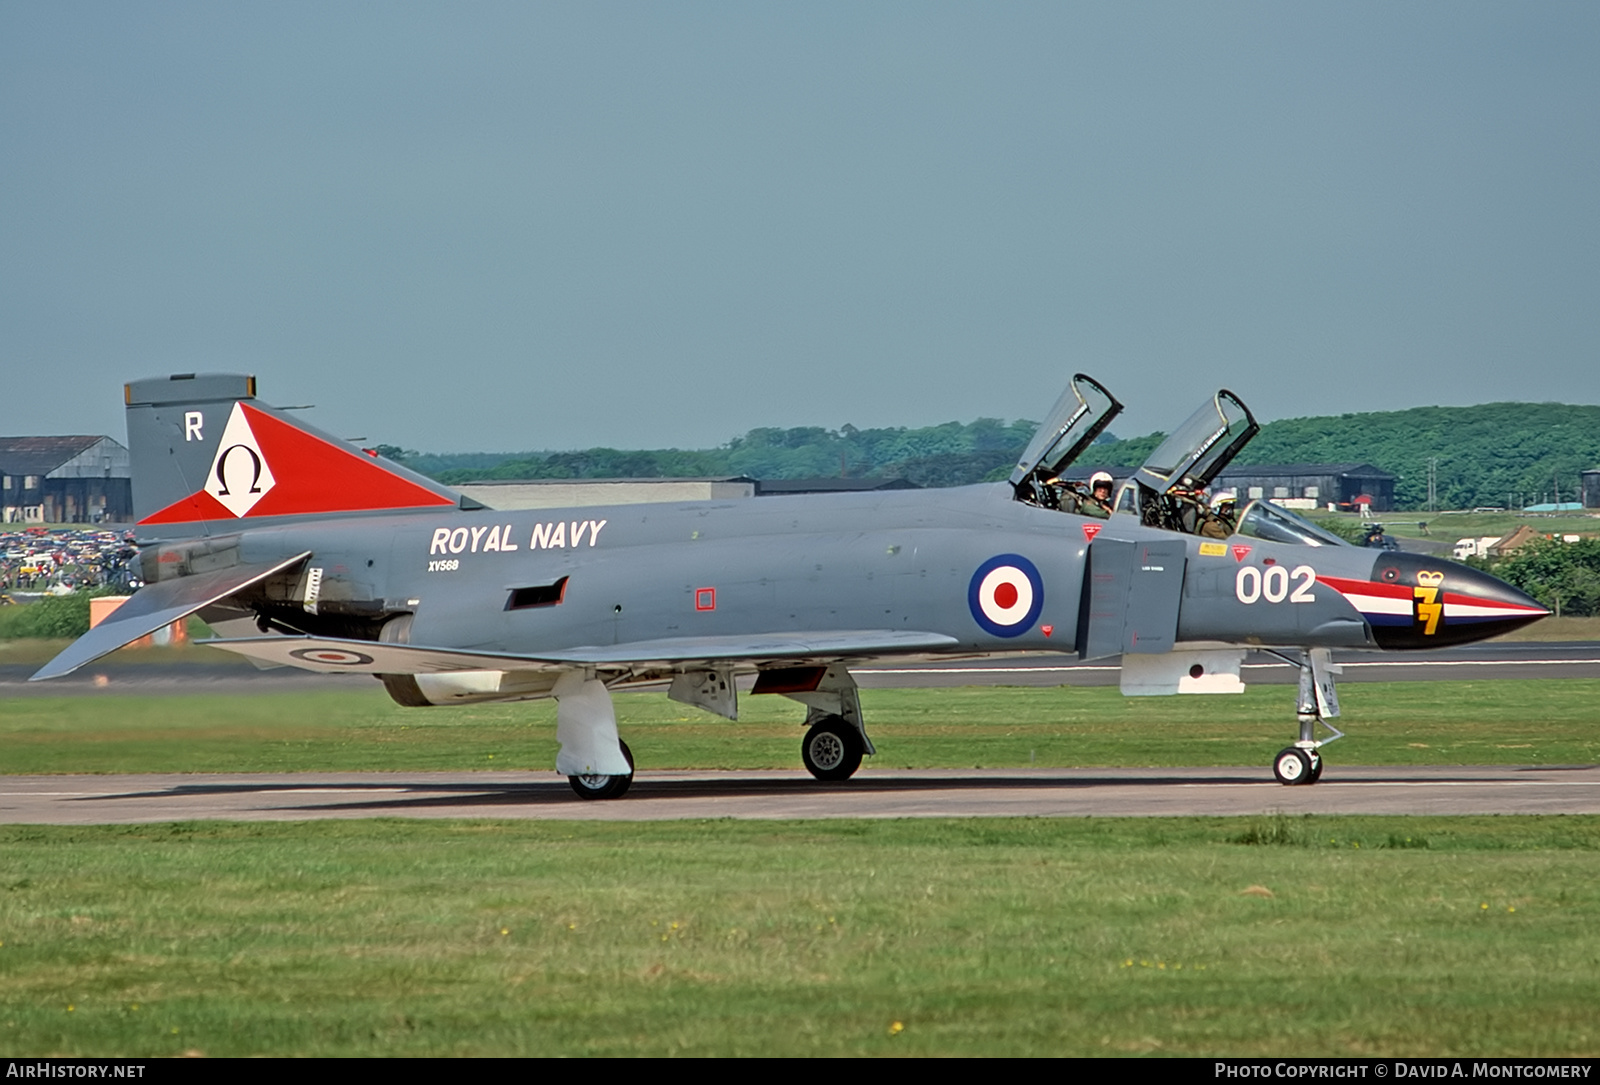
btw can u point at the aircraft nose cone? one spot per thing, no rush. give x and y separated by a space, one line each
1432 603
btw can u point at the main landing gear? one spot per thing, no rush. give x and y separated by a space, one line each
835 739
832 749
1318 702
592 757
604 787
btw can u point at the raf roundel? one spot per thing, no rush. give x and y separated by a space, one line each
332 657
1006 595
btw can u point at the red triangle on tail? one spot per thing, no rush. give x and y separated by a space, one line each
310 476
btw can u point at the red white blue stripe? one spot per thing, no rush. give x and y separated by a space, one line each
1394 604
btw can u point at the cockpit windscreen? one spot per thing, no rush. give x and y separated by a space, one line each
1265 521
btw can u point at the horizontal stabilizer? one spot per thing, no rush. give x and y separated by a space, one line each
330 655
157 605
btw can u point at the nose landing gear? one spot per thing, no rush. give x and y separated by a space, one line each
1318 702
1295 765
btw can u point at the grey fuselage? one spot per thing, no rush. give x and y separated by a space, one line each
890 560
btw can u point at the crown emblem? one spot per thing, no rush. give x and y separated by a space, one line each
1430 579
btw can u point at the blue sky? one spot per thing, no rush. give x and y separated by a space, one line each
528 226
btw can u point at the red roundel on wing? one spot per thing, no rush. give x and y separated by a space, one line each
1005 595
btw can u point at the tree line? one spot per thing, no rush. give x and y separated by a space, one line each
952 454
1486 455
1565 577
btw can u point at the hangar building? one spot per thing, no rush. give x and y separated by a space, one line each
1288 484
1321 483
64 480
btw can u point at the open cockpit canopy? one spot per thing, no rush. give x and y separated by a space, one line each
1198 450
1168 490
1082 413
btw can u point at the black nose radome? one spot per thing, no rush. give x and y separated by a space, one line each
1423 602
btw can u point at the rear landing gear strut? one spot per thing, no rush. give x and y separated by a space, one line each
835 738
597 786
1318 702
595 762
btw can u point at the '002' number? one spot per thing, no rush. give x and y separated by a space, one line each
1251 583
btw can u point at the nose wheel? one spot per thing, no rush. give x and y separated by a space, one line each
1316 704
1297 765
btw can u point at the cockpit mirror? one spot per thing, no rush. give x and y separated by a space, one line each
1082 413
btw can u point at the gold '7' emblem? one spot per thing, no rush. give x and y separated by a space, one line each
1426 594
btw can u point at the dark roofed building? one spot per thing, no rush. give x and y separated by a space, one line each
64 480
1338 483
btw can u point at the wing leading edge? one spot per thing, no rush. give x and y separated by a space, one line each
157 605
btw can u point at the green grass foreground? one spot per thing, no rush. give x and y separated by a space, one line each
1305 936
1494 722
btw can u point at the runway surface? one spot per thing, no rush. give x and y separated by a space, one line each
73 800
82 800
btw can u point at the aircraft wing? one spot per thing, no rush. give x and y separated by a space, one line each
157 605
761 647
330 655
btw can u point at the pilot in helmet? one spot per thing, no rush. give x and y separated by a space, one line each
1220 522
1100 490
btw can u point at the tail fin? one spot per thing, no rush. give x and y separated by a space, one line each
206 455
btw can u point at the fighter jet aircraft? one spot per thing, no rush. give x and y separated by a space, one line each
301 550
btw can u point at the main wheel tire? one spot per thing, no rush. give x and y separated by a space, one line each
604 787
1292 766
832 749
1316 768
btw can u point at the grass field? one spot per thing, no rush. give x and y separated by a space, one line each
1495 722
1311 936
1557 629
1251 936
